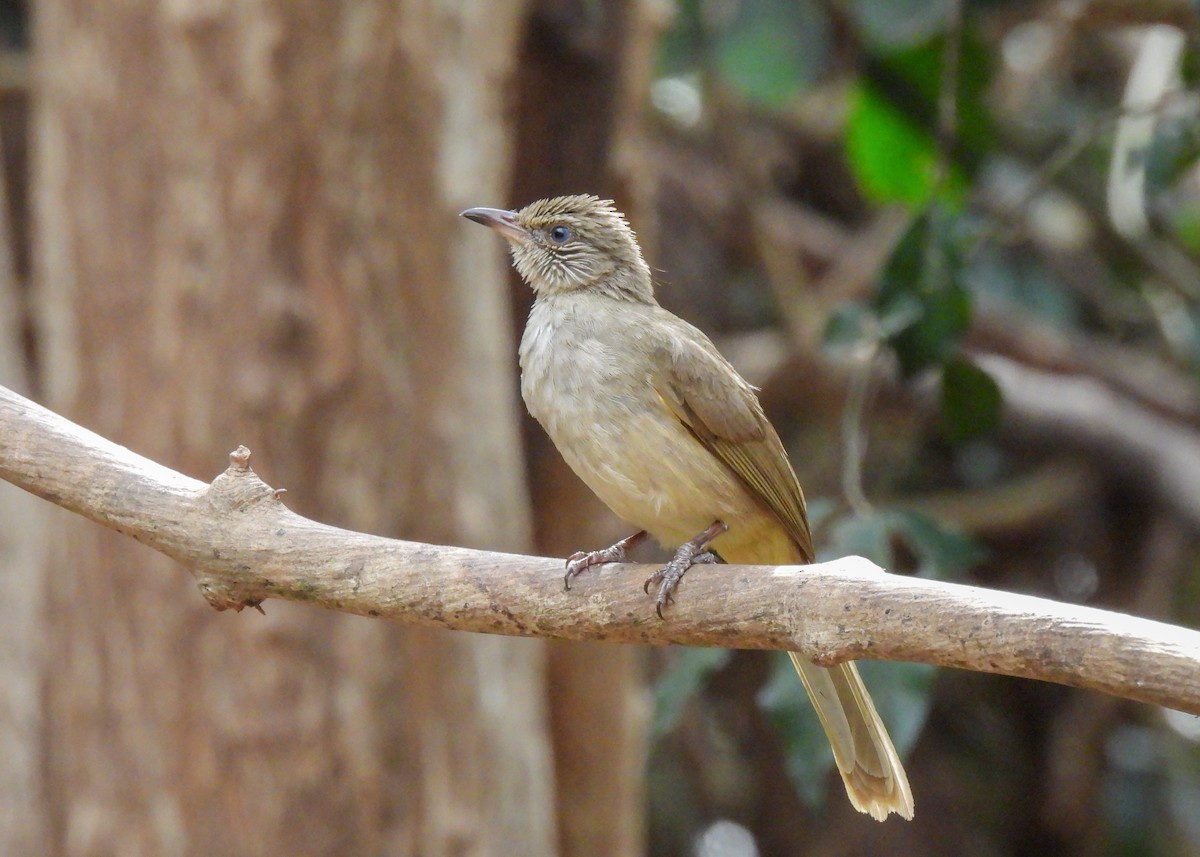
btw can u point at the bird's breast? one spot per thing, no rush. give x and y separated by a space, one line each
592 391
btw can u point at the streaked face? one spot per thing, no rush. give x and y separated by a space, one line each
564 243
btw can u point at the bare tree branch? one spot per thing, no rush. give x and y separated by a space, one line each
243 546
1164 454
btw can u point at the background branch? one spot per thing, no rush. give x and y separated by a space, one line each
243 546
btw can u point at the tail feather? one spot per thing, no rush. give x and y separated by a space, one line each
865 757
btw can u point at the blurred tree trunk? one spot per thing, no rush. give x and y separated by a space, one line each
602 54
246 233
22 580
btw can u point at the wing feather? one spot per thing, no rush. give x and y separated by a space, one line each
722 411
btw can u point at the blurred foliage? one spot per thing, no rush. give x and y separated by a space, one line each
1007 207
922 296
766 53
940 551
970 400
690 668
756 50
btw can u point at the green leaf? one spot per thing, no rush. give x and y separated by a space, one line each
850 325
1023 280
912 77
921 295
1172 153
1185 221
941 551
771 50
971 401
863 535
903 695
901 313
938 333
683 680
853 325
891 156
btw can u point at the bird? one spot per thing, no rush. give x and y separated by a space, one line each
659 425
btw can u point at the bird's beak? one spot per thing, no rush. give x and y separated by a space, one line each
504 222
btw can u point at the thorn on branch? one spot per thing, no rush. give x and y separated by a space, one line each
239 487
239 459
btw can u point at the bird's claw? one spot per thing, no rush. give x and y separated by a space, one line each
660 602
581 561
668 577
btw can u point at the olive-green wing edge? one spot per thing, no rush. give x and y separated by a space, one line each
708 395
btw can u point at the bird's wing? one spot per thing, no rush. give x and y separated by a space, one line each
722 411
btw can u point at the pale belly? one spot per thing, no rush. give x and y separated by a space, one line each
632 452
651 472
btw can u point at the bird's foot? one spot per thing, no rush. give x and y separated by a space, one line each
690 553
581 561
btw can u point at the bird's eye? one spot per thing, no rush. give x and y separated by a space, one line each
559 234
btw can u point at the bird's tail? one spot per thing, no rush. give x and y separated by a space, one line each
875 779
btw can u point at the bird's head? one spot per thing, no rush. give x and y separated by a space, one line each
572 242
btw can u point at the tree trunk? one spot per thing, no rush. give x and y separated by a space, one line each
23 539
246 233
599 702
